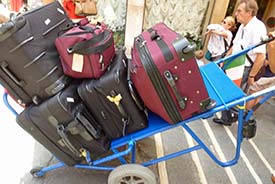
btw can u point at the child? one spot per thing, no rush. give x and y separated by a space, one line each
220 38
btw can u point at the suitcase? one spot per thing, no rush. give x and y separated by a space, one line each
112 100
29 63
166 76
86 50
64 126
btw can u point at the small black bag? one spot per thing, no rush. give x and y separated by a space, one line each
113 102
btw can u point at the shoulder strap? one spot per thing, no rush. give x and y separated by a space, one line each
225 44
248 58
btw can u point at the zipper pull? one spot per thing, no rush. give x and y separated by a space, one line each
101 59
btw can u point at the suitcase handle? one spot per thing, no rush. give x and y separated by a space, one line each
96 44
89 127
172 84
154 35
132 89
7 29
61 130
4 66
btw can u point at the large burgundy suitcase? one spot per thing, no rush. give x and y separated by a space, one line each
64 126
29 63
166 75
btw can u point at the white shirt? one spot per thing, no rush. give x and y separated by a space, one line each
216 42
250 35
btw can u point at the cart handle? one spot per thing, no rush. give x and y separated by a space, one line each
6 102
231 57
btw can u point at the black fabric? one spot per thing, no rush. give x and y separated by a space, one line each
98 95
52 124
28 57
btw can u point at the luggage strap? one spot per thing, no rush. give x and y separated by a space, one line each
172 84
89 127
62 133
116 98
96 44
132 89
162 45
77 128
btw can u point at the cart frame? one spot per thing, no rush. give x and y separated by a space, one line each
216 81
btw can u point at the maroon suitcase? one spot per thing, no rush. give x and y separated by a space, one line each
166 75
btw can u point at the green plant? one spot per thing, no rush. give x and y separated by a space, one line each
194 39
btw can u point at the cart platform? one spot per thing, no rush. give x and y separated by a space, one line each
216 83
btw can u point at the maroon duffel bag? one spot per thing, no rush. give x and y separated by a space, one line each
86 50
166 75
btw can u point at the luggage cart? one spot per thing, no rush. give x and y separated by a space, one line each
216 82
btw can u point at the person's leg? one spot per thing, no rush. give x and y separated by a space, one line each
259 85
273 177
227 118
250 104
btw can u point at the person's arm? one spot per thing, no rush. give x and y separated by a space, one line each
258 63
271 53
220 33
3 19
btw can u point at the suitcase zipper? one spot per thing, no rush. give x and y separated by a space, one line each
53 27
35 59
48 74
157 81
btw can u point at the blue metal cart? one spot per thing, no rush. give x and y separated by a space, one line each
216 82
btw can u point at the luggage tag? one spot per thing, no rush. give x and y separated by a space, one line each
78 62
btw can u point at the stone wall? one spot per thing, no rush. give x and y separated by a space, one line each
184 16
181 15
113 12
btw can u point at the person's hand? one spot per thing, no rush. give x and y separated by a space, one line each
208 32
250 81
3 19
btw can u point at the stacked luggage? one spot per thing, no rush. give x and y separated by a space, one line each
77 88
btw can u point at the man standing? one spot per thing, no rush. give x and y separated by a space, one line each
249 33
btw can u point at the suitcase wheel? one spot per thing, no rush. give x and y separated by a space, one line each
211 104
131 173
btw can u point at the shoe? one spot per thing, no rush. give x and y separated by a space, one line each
273 178
226 123
221 122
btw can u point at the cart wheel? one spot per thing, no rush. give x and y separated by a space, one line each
131 173
35 172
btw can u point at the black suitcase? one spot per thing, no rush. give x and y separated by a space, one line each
29 63
63 125
112 100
